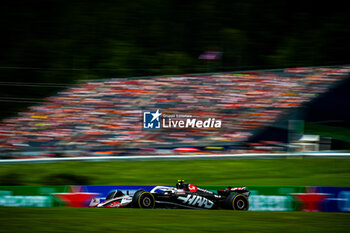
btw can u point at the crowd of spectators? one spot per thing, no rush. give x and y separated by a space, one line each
105 117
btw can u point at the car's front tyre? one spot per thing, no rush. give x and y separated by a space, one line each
143 199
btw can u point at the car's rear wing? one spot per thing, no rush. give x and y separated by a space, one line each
242 190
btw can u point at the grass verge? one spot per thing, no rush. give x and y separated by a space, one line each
67 220
268 172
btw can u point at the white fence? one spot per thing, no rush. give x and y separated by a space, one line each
183 157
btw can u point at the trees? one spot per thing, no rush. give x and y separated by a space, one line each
61 41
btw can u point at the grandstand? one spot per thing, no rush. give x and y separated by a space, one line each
105 117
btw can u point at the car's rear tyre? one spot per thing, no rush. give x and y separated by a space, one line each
143 199
237 202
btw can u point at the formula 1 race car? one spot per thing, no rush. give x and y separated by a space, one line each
184 196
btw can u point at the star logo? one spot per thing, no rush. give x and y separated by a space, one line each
151 120
156 115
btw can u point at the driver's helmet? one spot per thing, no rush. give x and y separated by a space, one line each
180 184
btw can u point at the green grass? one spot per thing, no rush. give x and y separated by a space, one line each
270 172
67 219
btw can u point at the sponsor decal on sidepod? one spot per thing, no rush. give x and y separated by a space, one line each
197 200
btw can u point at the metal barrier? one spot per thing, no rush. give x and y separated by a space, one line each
262 198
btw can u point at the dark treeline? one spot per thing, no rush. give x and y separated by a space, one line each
61 41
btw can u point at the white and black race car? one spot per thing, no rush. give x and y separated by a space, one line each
184 196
